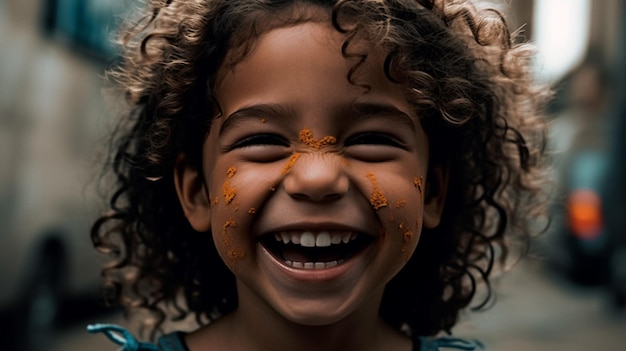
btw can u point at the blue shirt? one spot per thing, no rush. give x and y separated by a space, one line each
176 341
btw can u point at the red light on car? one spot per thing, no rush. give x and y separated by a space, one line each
585 213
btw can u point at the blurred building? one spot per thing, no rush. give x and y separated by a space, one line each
53 119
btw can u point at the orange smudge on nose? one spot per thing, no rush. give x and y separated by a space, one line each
306 137
377 198
292 161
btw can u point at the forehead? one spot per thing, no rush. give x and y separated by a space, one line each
305 62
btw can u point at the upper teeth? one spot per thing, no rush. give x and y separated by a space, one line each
315 239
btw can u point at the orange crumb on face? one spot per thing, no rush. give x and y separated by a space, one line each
263 120
252 210
216 200
291 162
231 172
230 223
306 137
229 192
400 203
418 182
236 254
407 236
233 253
377 199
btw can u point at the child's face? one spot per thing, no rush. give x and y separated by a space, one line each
302 155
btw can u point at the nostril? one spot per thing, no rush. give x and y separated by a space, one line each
315 197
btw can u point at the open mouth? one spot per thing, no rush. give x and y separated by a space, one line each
314 250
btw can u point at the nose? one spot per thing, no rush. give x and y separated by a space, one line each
317 177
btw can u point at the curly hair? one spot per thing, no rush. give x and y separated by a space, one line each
464 74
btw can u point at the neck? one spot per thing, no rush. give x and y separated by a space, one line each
256 326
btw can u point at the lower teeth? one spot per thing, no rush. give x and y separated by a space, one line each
313 265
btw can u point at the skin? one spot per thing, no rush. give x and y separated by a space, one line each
302 85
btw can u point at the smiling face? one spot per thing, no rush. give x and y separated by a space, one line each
314 186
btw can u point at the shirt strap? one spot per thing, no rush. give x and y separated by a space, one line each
427 344
121 336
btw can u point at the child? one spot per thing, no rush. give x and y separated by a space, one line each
318 175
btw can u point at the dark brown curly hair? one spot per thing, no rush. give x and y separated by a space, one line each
465 75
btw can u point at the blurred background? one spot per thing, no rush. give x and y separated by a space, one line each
570 295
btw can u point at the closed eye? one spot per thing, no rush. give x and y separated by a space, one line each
371 138
260 140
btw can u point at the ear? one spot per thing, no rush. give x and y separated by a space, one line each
192 194
435 195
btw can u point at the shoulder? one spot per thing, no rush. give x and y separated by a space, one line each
447 343
121 336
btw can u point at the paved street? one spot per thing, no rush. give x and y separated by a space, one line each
534 311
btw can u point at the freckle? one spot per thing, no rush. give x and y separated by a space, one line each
377 199
400 203
229 192
231 172
252 210
291 162
418 182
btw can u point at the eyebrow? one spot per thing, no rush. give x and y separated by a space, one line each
367 110
253 112
361 111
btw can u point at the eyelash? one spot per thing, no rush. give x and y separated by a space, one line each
374 139
258 140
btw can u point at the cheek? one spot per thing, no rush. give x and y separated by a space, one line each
398 202
237 194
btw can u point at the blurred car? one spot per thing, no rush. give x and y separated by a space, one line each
589 244
583 229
